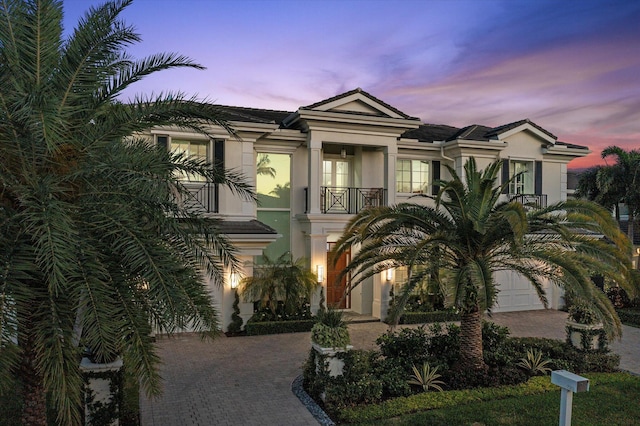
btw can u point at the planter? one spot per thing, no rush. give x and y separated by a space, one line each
333 364
587 337
103 392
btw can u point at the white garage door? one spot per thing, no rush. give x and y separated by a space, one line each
516 293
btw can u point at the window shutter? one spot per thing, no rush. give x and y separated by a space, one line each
505 175
218 154
538 178
435 175
162 142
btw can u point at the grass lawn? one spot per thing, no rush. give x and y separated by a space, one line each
613 402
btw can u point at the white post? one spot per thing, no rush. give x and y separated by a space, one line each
569 383
566 401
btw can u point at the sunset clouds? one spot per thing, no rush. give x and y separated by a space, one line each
573 67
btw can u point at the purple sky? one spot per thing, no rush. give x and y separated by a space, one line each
572 66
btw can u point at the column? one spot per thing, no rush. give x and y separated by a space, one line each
390 157
315 175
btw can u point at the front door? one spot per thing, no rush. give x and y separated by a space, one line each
336 297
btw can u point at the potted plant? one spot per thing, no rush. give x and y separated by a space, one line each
330 336
584 328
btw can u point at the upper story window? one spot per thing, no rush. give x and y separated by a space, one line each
412 176
523 182
335 173
196 149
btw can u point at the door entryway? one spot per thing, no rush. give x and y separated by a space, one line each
336 288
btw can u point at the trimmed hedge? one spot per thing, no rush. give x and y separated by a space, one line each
629 317
435 400
428 317
277 327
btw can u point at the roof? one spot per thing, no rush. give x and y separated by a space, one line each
475 132
245 227
571 145
253 115
431 132
364 93
506 127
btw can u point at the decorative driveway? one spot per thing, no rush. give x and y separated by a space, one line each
247 380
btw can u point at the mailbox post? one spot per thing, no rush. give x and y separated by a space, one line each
569 383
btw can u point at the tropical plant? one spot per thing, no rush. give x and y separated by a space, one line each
581 313
470 234
614 184
427 377
330 330
282 282
95 250
534 364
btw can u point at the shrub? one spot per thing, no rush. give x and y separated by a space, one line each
629 316
429 317
330 330
393 376
618 297
534 364
276 327
444 344
408 346
582 314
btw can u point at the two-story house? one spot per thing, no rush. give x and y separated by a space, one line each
316 167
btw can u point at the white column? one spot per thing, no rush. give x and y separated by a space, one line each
315 175
248 164
381 288
318 256
390 157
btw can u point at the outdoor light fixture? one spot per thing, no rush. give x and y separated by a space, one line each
320 273
389 274
235 279
343 153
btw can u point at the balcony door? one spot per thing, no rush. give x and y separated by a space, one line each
335 173
336 180
336 297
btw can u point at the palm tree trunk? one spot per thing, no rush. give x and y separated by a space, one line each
34 409
471 356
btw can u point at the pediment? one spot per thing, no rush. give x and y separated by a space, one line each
358 102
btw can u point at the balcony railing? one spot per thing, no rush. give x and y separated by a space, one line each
344 200
202 198
536 201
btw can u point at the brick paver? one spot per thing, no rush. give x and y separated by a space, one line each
247 380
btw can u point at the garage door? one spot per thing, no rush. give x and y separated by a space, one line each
516 293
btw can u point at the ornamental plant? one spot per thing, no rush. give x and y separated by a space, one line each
331 330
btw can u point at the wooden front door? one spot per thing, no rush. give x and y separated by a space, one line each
336 289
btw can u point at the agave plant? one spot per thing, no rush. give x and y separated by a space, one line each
534 364
427 377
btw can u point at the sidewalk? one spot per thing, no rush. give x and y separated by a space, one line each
247 380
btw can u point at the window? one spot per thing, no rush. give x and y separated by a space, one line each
197 149
412 176
273 185
335 173
523 183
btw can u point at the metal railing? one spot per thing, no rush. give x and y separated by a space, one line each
536 201
349 200
203 197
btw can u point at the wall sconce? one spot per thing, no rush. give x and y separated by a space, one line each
235 279
320 273
389 274
343 152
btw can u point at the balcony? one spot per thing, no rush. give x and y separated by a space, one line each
535 201
203 197
345 200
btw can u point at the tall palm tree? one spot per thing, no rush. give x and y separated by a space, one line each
470 234
623 180
94 247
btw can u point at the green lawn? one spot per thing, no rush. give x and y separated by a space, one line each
615 402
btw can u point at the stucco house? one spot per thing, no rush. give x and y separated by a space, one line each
314 168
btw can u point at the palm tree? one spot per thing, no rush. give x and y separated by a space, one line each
94 247
470 235
623 180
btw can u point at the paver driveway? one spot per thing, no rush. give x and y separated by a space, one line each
247 380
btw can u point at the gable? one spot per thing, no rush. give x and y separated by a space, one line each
358 101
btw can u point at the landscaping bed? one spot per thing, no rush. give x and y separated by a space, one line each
382 383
